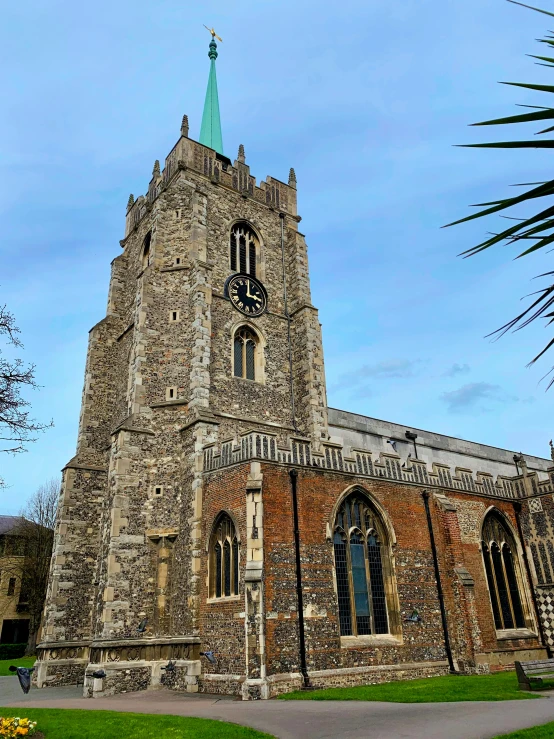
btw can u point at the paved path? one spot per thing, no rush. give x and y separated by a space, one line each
312 719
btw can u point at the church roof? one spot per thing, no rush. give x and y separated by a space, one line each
210 130
7 523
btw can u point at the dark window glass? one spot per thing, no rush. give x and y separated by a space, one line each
238 357
224 559
250 351
378 596
218 570
501 587
343 590
492 587
11 586
235 567
360 570
512 586
359 580
227 567
252 258
233 250
242 253
501 567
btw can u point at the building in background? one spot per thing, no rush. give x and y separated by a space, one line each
219 515
14 616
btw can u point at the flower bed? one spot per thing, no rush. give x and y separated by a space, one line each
13 727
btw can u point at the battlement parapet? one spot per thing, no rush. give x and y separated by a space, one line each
190 154
263 446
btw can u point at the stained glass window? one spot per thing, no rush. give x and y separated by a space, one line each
502 568
361 563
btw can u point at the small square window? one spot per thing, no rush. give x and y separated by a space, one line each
171 393
158 490
174 316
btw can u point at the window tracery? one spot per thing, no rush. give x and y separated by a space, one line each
245 346
362 563
243 249
502 570
224 559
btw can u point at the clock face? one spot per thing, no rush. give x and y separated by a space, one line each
247 295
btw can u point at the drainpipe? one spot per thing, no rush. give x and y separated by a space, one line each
517 509
425 496
299 599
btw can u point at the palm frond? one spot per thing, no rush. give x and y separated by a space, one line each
538 228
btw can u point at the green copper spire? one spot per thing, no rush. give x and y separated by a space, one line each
210 131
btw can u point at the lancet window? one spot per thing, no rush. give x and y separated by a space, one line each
503 573
224 559
146 250
362 566
243 249
245 347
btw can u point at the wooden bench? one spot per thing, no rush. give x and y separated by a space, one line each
535 671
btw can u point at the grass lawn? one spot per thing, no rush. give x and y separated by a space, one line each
546 731
501 686
70 724
19 662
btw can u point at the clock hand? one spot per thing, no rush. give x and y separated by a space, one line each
248 291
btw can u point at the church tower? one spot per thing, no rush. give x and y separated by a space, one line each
209 334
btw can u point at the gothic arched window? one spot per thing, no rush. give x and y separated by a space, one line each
502 571
245 346
362 565
224 559
146 250
243 249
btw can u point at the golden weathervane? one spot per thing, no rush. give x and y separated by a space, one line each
211 30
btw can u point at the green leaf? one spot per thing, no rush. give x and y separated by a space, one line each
542 58
514 2
549 144
542 243
545 114
540 191
528 86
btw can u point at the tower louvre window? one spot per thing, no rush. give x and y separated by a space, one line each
502 572
245 345
243 249
224 559
362 564
146 250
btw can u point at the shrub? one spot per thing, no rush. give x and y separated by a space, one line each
12 651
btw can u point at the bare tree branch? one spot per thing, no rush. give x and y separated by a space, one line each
17 428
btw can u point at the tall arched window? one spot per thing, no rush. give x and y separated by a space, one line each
245 346
243 249
362 565
224 559
503 573
146 250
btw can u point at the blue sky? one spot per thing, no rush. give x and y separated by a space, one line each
365 99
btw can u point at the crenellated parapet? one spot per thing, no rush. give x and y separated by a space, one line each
263 446
190 154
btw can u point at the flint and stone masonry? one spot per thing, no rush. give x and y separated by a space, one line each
170 440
